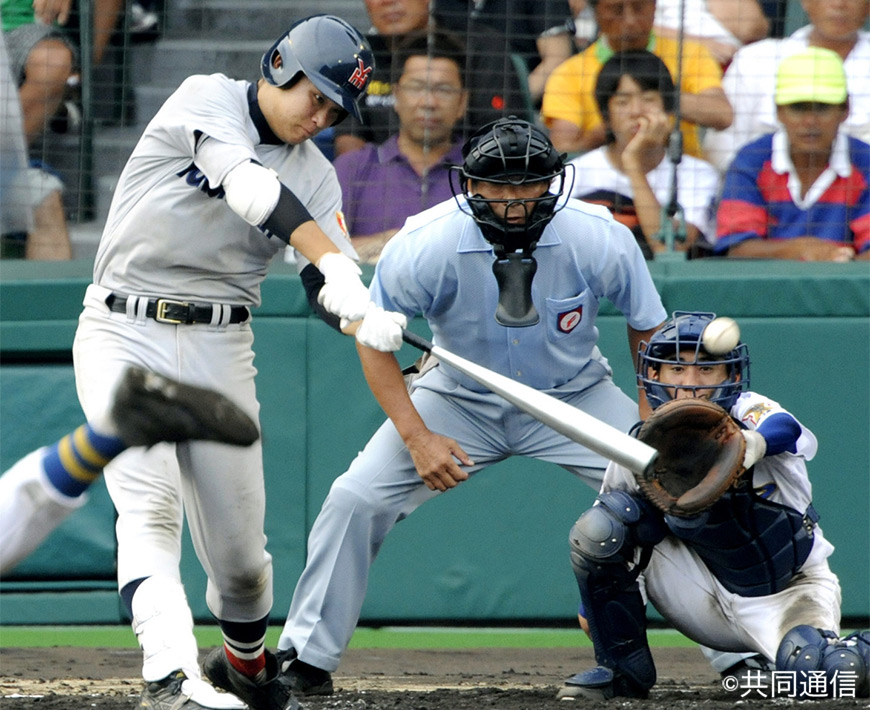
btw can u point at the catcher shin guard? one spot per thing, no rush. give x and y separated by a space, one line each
806 649
603 542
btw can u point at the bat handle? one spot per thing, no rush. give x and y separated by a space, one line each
416 341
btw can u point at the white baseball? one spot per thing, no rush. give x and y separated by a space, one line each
721 336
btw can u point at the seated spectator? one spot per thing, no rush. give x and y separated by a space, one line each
494 88
804 191
32 219
382 185
750 80
722 26
538 31
569 108
42 59
44 55
631 174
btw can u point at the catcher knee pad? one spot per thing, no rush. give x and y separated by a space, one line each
805 649
610 529
860 642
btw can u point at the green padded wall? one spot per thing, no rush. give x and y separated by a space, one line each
494 549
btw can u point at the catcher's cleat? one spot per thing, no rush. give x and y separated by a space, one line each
150 408
303 678
753 664
178 692
269 694
599 683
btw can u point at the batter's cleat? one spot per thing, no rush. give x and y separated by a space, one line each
178 692
269 694
599 683
303 678
150 408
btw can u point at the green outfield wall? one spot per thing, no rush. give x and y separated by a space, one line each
494 549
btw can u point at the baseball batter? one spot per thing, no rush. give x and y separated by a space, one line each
749 573
223 178
509 275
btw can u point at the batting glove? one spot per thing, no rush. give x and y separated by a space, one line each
381 330
756 447
344 294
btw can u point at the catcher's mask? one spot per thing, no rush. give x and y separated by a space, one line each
511 151
680 333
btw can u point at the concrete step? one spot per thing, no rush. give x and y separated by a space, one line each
253 19
85 238
112 148
176 59
149 99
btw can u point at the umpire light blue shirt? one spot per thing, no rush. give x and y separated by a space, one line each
439 265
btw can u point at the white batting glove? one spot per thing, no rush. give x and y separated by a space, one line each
756 447
344 294
381 330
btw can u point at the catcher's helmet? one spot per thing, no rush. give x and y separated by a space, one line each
683 332
510 151
331 53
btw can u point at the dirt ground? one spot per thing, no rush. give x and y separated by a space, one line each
394 679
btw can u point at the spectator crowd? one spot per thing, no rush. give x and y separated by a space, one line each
699 120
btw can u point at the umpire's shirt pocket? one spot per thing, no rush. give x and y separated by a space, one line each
568 316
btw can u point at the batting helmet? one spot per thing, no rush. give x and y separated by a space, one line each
331 53
510 151
680 333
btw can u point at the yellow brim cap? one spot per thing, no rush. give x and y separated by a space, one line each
815 75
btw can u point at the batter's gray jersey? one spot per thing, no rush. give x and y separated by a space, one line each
169 230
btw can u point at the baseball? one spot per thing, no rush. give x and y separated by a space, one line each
721 336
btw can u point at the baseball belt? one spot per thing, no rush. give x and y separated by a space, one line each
175 312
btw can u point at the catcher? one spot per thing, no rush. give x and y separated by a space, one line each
721 536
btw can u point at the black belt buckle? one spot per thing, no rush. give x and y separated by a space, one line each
164 304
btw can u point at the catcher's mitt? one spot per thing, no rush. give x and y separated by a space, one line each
701 450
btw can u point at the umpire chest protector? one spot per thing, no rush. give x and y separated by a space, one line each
754 547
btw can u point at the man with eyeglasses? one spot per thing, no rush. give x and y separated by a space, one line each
569 109
494 87
411 166
802 192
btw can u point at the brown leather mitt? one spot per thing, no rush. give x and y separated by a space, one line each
701 450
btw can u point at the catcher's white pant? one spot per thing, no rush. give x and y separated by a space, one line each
221 486
694 602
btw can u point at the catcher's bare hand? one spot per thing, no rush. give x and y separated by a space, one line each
435 458
701 454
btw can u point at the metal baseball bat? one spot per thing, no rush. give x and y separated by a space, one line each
569 421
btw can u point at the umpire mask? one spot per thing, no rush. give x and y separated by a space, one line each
511 152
